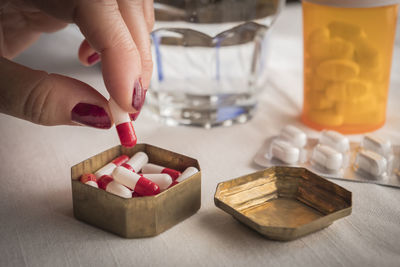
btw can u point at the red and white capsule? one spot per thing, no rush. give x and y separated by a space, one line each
163 180
137 183
109 168
123 124
89 179
153 168
107 183
187 173
136 163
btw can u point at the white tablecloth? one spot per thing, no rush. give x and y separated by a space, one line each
37 227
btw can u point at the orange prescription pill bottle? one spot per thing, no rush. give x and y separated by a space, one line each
348 48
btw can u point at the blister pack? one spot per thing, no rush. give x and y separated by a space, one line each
332 155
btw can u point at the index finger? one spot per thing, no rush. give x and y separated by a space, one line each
101 23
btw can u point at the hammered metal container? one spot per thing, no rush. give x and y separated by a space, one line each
142 216
283 203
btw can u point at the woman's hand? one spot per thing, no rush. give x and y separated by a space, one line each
116 31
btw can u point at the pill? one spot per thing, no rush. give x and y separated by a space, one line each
358 106
136 162
327 157
318 35
331 49
134 181
109 168
345 30
135 194
187 173
334 140
293 135
153 168
89 179
376 144
338 69
127 166
163 180
123 125
104 180
357 90
317 83
318 100
366 54
284 151
372 74
336 91
370 162
107 183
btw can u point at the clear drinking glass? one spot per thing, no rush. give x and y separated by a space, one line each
209 59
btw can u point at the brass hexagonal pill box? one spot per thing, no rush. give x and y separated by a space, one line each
141 216
283 203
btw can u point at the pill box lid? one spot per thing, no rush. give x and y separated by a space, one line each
283 202
354 3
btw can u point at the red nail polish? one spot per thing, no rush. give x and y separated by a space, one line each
90 115
134 116
138 96
93 58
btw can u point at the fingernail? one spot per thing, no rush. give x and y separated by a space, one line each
134 116
93 58
138 95
90 115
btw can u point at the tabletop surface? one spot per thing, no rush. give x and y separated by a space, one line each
37 227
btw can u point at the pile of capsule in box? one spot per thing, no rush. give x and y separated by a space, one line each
135 177
373 160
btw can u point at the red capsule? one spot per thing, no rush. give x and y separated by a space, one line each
129 167
104 181
173 183
135 194
134 181
153 168
123 124
89 179
145 187
120 160
126 134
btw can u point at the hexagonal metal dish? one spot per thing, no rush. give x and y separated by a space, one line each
283 203
142 216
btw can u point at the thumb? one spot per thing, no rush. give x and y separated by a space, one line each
50 99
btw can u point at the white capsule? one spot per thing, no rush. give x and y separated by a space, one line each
335 140
284 151
370 162
138 161
105 170
109 167
163 180
294 135
327 157
153 168
376 144
92 183
187 173
119 115
118 189
126 177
